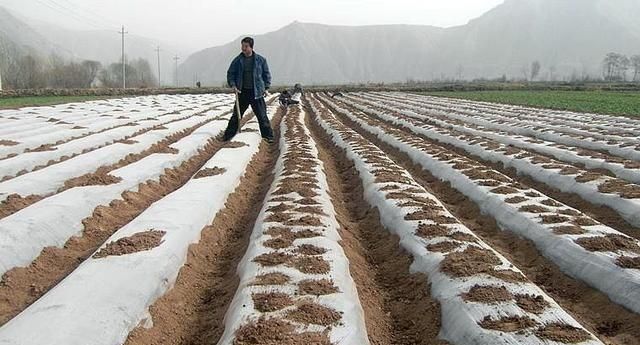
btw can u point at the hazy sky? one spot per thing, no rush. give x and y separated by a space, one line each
197 24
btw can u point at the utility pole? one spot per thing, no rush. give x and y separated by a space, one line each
0 79
176 58
124 64
158 51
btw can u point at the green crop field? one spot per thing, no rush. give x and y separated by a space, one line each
601 102
18 102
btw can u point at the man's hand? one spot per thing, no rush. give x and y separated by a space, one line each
265 93
235 90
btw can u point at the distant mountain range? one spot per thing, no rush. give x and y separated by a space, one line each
567 37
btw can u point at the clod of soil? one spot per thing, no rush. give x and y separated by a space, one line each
563 333
504 190
533 209
273 259
488 294
271 301
532 304
471 261
621 187
139 242
553 219
317 287
315 314
235 144
274 331
279 242
274 278
508 323
516 200
311 265
206 172
568 230
443 247
91 179
310 249
629 262
8 143
14 203
42 148
608 243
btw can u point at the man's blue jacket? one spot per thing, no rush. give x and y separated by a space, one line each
261 74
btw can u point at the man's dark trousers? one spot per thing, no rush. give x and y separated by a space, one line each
259 106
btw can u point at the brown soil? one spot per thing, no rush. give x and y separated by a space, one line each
397 305
91 179
277 332
563 333
160 147
206 172
629 262
272 301
314 314
508 323
568 230
612 323
275 278
516 200
138 242
235 144
310 264
609 243
488 294
625 189
443 247
43 148
14 203
193 311
8 143
469 262
532 304
23 285
310 249
317 287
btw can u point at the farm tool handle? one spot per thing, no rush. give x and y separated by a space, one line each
237 112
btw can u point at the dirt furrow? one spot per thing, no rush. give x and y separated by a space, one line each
612 323
21 286
15 203
397 304
192 312
601 213
124 139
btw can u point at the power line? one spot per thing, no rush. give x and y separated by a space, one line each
94 15
62 10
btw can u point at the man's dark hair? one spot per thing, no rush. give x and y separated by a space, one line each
248 40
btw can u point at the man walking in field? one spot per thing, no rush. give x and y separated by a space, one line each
249 77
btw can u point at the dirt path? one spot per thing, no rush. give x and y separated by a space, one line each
192 312
610 322
397 304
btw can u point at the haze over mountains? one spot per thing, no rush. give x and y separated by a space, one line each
568 38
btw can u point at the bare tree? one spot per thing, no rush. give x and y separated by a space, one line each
635 64
615 67
535 69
